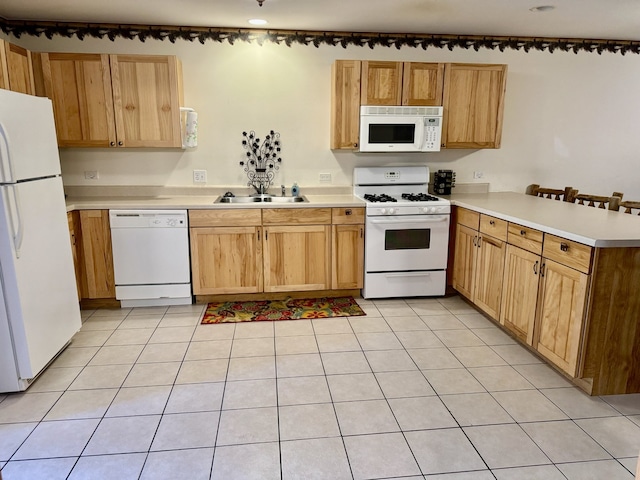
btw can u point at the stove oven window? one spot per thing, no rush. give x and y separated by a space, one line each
407 239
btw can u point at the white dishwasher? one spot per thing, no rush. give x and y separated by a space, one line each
151 257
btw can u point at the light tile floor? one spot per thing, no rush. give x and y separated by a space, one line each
418 388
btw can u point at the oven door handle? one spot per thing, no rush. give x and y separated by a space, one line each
408 274
401 219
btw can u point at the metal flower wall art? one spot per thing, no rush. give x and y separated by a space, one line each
262 159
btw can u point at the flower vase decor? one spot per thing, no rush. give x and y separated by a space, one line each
262 159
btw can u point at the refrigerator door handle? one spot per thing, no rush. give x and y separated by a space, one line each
18 232
6 161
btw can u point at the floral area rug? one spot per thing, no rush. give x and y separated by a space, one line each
288 309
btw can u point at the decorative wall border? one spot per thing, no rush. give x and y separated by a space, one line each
315 38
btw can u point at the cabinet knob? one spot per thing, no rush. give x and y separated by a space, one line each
348 211
492 222
523 233
564 247
120 143
355 145
112 144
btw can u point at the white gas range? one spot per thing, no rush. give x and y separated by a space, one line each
407 232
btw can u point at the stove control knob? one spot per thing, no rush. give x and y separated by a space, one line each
392 211
432 209
383 211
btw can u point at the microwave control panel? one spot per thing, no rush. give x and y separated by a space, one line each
432 134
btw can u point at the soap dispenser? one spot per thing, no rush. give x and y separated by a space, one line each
295 191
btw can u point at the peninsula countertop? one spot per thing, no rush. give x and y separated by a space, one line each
591 226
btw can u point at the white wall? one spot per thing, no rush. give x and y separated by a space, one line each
570 119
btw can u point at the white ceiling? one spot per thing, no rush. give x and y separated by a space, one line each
592 19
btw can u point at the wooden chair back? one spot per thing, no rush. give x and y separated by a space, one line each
628 206
565 194
597 200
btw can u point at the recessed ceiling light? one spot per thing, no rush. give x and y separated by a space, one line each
257 21
542 8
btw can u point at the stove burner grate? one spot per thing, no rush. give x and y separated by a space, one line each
379 198
419 197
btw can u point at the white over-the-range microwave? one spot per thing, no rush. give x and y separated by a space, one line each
400 129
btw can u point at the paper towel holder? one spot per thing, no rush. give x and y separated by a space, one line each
190 130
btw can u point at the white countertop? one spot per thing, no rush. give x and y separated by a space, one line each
592 226
201 202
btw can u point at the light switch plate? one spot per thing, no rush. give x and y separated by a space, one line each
91 175
325 178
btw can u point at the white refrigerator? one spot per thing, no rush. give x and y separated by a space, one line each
39 310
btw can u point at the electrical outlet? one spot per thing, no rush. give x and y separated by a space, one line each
199 176
325 178
478 175
91 174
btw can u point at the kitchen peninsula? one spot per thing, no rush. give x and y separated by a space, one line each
563 278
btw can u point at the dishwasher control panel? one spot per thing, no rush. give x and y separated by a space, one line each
148 218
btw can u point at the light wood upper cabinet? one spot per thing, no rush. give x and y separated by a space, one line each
147 92
345 104
96 262
16 71
422 83
381 83
356 83
473 102
79 85
113 100
558 330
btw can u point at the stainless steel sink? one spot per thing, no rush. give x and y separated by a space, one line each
262 199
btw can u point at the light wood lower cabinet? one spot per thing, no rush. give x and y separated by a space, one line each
226 260
347 256
479 262
238 251
520 292
73 220
297 258
558 330
96 258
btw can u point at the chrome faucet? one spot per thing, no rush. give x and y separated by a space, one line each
283 190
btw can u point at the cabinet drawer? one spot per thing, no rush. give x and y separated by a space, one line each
347 216
468 218
235 217
493 226
572 254
526 238
296 216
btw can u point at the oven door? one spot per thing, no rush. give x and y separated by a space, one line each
406 243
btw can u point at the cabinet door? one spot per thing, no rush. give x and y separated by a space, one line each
473 105
72 220
381 83
348 257
422 83
465 260
560 315
297 258
487 288
518 310
345 104
226 260
16 71
97 258
79 85
146 95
